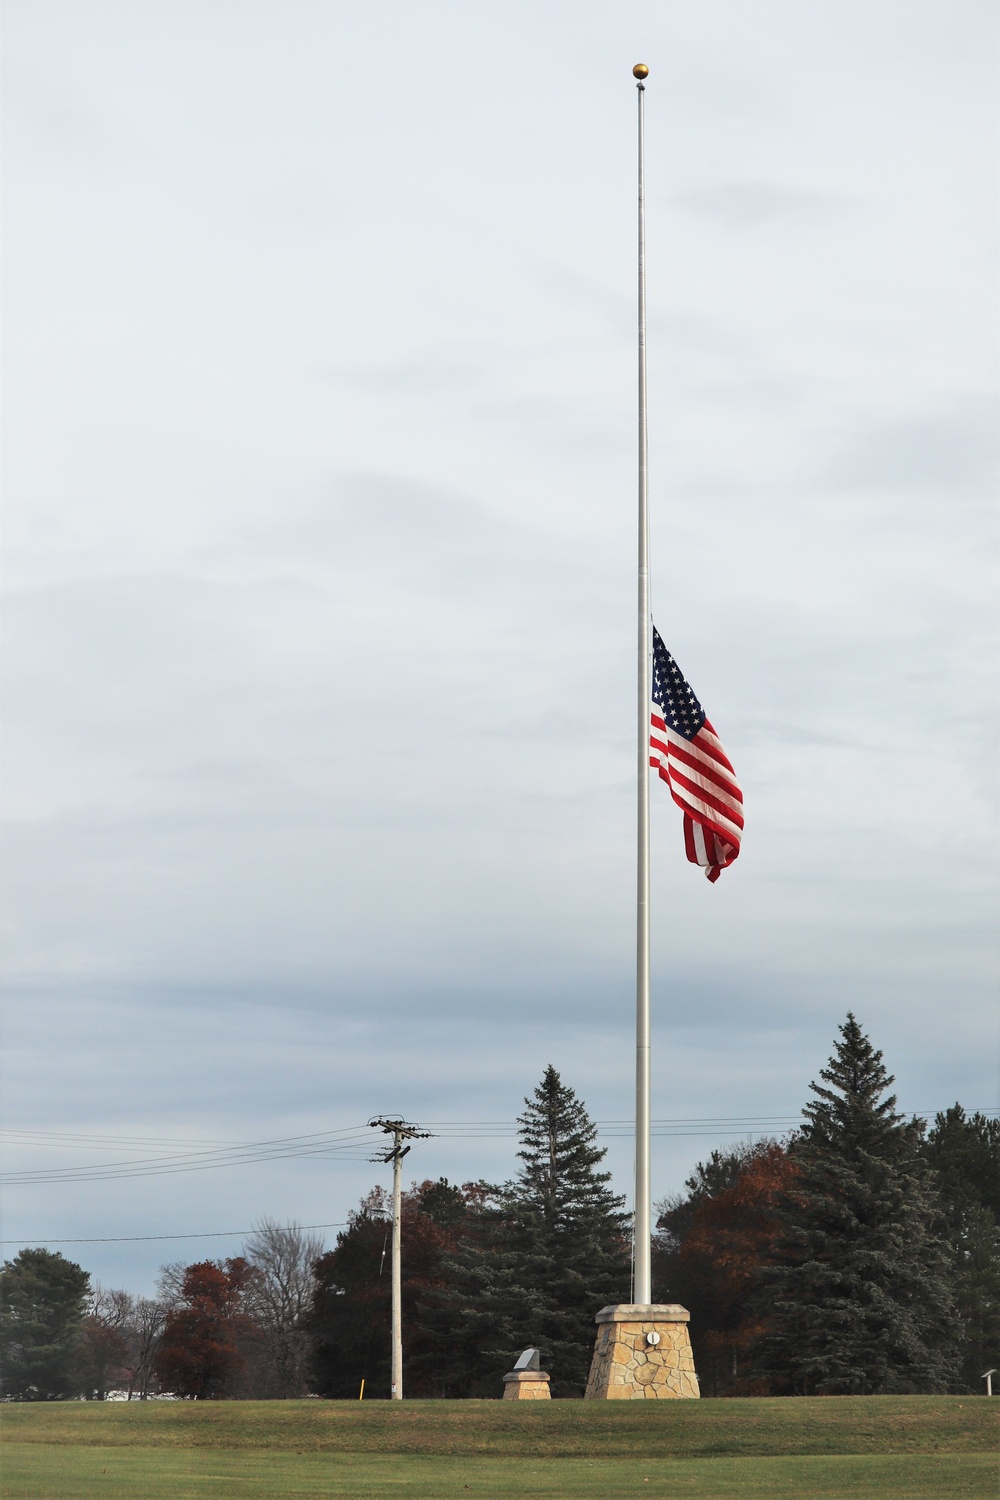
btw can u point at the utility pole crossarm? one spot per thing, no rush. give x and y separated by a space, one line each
402 1130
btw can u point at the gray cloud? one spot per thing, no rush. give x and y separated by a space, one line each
750 205
949 453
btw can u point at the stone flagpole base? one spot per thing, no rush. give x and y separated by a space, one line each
642 1354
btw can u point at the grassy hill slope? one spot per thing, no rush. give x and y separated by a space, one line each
874 1448
563 1429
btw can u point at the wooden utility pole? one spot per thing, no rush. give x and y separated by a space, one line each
400 1131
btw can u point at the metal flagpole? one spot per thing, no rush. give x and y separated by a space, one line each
642 1292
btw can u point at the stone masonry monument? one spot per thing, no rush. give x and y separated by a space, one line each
643 1353
527 1381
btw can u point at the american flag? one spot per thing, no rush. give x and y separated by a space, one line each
688 754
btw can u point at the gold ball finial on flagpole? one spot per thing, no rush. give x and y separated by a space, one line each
640 71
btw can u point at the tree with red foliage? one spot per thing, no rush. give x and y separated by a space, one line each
709 1253
202 1352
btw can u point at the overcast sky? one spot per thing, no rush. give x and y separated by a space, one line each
320 537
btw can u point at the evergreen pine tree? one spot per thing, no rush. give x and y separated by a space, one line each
569 1234
964 1153
964 1156
43 1299
545 1253
860 1300
482 1315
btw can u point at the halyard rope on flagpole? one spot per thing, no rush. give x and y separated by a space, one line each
642 1290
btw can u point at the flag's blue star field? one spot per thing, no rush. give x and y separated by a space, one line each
681 710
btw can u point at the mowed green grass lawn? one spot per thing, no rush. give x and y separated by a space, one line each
894 1448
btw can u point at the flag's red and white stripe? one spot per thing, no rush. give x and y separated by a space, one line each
703 784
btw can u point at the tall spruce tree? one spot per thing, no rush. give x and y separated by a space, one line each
569 1234
544 1254
860 1300
964 1156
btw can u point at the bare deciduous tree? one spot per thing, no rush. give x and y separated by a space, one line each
170 1283
103 1351
121 1335
278 1298
145 1332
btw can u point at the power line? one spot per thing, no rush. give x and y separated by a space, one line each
348 1143
324 1136
353 1146
329 1143
121 1239
57 1176
84 1141
461 1128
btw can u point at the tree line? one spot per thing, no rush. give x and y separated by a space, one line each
859 1255
232 1328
